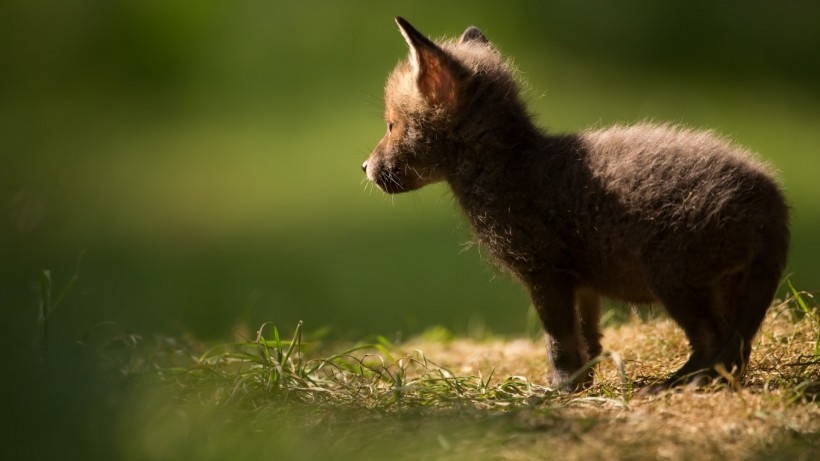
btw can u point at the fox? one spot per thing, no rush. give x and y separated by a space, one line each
648 213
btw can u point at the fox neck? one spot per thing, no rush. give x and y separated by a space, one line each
486 154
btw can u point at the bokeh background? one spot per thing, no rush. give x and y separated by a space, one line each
195 164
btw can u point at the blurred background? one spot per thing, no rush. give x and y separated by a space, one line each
195 164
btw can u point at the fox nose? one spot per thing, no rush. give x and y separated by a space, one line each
364 166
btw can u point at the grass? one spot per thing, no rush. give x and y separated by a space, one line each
443 397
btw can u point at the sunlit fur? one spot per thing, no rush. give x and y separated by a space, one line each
648 213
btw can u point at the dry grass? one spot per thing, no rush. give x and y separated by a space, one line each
486 399
776 408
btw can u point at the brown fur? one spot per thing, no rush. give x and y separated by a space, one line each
644 214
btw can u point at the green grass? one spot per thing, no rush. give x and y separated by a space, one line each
444 397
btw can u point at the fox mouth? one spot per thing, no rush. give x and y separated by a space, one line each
388 182
385 178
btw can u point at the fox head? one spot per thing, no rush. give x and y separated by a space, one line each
434 101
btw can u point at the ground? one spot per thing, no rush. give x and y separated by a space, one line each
439 397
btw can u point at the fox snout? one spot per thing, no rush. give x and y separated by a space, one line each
387 168
385 177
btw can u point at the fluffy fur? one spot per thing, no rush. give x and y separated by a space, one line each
645 213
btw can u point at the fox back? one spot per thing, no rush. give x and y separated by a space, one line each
649 213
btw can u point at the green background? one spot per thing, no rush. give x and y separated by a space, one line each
196 165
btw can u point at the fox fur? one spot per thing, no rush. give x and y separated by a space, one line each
648 213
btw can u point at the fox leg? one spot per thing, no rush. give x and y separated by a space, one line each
554 301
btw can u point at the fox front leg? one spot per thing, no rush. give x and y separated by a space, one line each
554 301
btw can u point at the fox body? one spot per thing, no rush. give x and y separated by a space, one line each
644 214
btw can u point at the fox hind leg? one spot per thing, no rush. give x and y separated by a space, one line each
696 310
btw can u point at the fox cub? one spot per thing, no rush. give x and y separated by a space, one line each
644 214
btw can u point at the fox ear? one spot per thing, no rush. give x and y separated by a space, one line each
437 74
472 34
